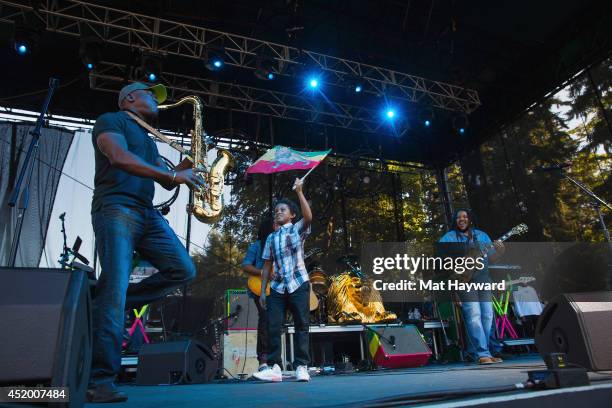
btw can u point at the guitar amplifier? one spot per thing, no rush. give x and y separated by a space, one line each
240 352
241 310
397 347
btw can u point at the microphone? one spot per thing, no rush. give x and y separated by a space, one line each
62 215
555 167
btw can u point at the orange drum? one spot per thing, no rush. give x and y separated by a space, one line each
318 280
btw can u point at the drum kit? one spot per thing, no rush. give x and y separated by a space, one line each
344 297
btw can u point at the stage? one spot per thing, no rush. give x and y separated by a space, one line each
352 390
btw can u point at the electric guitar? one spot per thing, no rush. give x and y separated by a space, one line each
484 251
254 281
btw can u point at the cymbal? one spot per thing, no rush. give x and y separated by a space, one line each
351 258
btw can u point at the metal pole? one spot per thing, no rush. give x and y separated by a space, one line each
442 179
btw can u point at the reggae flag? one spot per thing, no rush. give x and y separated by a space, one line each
281 158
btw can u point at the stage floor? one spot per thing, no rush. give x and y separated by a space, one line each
354 389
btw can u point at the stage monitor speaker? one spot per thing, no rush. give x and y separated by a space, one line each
579 325
45 337
175 362
397 347
241 310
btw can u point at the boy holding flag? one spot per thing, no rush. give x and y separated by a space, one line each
289 287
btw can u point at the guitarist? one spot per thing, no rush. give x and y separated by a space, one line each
477 308
253 266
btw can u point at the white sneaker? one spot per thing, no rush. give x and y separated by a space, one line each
301 373
270 374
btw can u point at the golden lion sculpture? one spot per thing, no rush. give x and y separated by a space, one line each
351 300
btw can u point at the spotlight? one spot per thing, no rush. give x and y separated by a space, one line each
265 69
25 40
90 52
390 113
313 83
426 117
151 67
214 60
460 124
354 85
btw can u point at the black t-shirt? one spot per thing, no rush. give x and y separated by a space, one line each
113 185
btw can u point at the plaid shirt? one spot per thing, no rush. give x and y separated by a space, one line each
285 248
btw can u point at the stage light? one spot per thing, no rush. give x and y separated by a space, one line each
426 117
460 124
25 40
213 60
264 69
90 52
390 113
354 85
313 83
151 67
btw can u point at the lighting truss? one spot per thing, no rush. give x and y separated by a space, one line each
170 37
111 77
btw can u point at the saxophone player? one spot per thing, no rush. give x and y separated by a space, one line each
127 166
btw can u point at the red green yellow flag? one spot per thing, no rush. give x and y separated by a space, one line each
281 158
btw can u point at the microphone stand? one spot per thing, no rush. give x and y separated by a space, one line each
596 202
28 167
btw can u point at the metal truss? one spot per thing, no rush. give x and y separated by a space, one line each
111 77
171 37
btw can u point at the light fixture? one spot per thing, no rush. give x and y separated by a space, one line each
460 124
90 51
25 40
213 60
151 67
264 69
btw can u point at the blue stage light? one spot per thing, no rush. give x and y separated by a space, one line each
22 49
462 130
271 76
313 83
358 88
390 113
218 63
427 123
90 66
152 77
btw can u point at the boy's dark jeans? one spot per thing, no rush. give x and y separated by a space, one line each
119 231
298 304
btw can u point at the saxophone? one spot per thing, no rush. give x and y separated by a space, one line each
208 202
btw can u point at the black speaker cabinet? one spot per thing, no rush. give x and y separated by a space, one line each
175 362
579 325
45 332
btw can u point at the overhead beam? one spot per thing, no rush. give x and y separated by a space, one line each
171 37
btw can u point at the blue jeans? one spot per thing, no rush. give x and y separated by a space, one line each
478 318
298 304
120 230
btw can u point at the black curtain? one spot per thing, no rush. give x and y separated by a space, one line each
53 149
